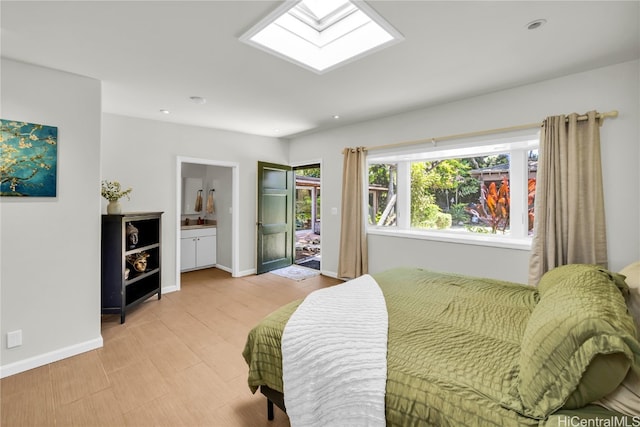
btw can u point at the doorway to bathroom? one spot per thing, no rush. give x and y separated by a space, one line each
207 192
307 215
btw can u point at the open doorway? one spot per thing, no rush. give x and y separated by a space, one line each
223 178
307 216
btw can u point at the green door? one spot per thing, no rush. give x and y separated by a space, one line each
275 216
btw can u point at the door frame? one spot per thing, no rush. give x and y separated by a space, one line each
322 205
235 211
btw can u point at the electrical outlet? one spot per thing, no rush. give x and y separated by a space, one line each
14 339
334 211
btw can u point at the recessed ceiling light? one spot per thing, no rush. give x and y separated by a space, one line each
322 34
336 116
165 111
198 100
534 25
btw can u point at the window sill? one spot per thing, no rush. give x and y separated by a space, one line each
497 241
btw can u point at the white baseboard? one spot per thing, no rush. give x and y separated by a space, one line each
52 356
169 289
224 268
247 273
329 274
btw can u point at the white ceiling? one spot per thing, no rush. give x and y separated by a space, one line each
153 55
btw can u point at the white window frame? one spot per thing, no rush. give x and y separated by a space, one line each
518 147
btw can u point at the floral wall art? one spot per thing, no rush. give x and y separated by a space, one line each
28 159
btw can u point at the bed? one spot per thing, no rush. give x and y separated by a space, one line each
467 351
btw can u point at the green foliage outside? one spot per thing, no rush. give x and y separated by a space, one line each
443 221
440 190
383 175
311 172
458 213
303 201
432 179
303 209
423 206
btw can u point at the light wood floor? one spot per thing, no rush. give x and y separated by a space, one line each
175 362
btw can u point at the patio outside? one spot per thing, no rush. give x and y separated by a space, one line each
307 247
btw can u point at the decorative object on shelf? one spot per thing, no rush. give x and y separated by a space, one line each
210 208
113 192
126 273
138 261
198 206
132 235
114 208
29 156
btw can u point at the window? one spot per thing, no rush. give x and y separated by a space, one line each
383 194
322 34
481 192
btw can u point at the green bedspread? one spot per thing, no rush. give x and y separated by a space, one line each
453 345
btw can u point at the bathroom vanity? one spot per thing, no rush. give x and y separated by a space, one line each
197 246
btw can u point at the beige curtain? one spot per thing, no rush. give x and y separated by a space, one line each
352 261
569 222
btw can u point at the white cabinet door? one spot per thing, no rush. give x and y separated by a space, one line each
206 251
187 253
197 248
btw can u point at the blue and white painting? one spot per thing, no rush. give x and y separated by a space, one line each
28 159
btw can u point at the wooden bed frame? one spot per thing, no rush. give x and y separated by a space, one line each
273 397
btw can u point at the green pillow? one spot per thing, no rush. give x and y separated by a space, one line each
568 272
579 342
603 375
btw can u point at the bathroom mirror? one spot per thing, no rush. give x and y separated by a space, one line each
190 188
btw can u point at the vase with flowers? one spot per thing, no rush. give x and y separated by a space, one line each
113 192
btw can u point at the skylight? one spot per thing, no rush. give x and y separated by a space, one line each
322 34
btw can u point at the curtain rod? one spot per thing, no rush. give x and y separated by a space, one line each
600 116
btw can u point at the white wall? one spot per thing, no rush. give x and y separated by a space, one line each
142 154
50 247
220 178
610 88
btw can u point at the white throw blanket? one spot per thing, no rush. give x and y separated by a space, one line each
334 357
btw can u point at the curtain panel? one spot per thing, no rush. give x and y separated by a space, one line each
353 257
569 224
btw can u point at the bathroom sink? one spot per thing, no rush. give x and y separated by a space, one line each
193 225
